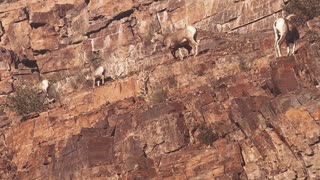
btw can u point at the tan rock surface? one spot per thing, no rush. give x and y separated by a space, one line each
258 114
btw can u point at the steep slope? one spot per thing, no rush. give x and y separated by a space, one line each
233 112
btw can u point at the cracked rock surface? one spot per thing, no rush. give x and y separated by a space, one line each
232 112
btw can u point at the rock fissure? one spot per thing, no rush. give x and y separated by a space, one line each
233 112
254 21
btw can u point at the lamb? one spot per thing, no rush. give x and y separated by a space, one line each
184 38
98 73
48 91
44 85
284 29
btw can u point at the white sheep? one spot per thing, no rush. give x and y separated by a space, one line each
44 85
48 91
284 29
98 73
184 38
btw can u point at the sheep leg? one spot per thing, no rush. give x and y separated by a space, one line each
275 42
189 48
102 79
180 54
294 47
196 51
276 49
43 96
278 44
288 49
154 48
173 52
93 82
194 46
50 100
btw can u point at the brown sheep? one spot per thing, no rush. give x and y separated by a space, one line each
184 38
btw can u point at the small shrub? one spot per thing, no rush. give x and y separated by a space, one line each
312 37
206 136
143 82
27 101
159 95
304 9
2 109
244 65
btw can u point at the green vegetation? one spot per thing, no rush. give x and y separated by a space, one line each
2 109
206 136
27 101
244 65
159 95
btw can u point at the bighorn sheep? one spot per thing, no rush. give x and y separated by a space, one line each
49 92
184 38
44 85
98 73
284 29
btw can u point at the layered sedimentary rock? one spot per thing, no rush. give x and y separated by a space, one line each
146 122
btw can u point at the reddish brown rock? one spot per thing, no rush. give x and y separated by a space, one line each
109 8
50 13
8 60
147 121
5 87
44 39
12 16
59 60
16 35
313 24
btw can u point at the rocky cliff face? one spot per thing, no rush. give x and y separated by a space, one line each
233 112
